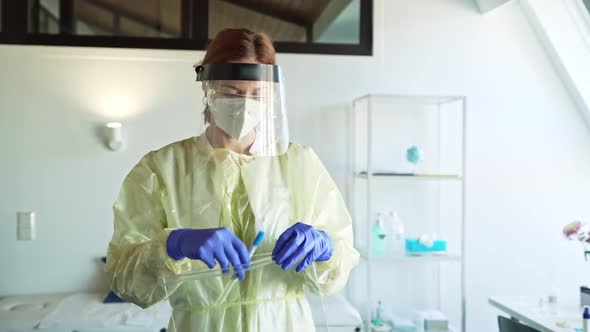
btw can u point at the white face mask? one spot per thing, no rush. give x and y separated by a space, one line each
236 116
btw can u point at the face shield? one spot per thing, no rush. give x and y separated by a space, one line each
246 101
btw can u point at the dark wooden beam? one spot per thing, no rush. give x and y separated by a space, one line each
93 24
114 29
132 16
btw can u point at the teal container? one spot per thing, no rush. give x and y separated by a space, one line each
414 246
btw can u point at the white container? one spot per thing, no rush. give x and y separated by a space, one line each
397 239
431 321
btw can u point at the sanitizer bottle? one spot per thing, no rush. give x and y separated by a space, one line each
379 237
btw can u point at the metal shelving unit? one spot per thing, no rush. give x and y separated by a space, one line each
429 197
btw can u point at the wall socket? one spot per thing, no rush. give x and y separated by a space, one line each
26 226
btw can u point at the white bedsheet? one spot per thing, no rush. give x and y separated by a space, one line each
86 310
338 312
26 311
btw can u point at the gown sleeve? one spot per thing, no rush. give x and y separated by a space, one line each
137 258
320 204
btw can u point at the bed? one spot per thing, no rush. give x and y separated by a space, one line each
80 312
86 312
340 315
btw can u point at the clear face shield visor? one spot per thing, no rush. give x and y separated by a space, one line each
246 102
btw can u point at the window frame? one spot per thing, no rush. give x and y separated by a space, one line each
15 20
553 26
581 16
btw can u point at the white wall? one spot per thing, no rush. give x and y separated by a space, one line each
527 158
52 102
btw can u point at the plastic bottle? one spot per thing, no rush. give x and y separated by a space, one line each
377 319
586 318
381 321
397 235
379 237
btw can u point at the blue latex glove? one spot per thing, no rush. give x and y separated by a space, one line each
302 241
208 245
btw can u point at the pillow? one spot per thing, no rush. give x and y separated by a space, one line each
111 296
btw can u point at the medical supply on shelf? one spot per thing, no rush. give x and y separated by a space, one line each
378 312
414 154
381 328
379 322
379 236
401 324
432 321
397 247
416 246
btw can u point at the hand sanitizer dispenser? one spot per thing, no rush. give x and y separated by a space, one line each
379 237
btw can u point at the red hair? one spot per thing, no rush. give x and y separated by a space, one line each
230 45
234 44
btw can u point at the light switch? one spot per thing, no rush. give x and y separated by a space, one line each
25 229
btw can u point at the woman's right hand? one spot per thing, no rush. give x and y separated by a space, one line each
208 245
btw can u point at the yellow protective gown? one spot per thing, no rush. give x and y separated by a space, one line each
189 184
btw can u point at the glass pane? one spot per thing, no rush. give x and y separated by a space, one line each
47 16
344 28
317 21
153 18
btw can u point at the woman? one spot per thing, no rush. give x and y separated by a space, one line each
200 202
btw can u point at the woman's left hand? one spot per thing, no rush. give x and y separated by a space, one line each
302 241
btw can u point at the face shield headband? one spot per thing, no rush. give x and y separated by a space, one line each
239 72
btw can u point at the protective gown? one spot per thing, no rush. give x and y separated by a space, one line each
189 184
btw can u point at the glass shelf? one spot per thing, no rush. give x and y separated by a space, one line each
451 328
428 195
425 258
412 99
410 176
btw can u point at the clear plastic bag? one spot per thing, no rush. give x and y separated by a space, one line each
232 304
